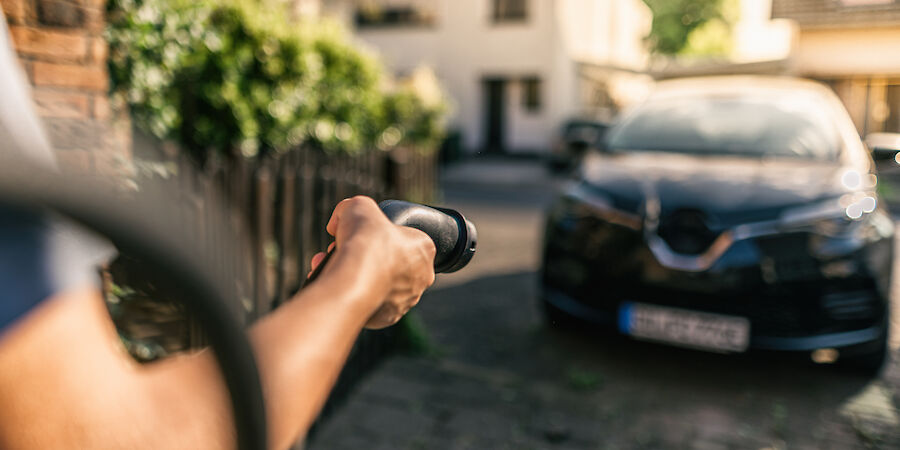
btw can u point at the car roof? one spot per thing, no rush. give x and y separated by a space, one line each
739 85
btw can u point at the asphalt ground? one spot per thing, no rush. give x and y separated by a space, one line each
497 377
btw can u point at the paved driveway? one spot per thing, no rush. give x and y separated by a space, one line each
500 379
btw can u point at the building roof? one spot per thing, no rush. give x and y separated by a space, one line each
812 14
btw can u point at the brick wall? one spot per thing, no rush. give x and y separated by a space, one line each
61 46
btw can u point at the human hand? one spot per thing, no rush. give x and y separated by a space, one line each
397 263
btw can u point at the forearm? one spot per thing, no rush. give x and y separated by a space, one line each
66 383
91 395
303 346
300 350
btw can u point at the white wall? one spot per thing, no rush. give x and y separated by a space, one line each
606 32
464 46
871 51
758 37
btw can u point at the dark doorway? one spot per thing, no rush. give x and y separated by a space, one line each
495 115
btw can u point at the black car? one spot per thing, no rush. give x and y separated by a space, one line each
728 214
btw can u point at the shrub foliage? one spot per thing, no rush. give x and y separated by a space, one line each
220 75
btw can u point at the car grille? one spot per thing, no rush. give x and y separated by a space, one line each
855 305
778 316
786 257
686 231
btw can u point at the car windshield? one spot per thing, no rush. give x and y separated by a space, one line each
756 125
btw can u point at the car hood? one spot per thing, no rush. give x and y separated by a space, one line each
728 190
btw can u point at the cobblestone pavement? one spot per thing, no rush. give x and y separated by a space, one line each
500 379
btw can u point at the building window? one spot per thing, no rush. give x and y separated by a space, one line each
531 94
373 16
510 10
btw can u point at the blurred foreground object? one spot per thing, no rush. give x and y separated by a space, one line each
728 214
143 225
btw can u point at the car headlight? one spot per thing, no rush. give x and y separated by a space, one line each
587 202
582 194
834 227
832 217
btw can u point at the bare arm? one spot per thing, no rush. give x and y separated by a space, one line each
66 383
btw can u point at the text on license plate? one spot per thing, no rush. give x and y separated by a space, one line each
685 328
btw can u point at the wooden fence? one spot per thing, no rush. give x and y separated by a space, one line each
262 220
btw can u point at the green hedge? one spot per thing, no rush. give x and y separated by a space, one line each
236 74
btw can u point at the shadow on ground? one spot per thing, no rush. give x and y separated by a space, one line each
502 379
496 321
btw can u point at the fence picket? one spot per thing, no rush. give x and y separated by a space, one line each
235 209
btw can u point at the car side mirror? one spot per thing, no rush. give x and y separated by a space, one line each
579 146
884 146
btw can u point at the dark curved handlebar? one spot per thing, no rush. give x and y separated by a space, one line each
454 237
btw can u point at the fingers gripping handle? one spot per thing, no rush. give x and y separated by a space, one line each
454 237
315 273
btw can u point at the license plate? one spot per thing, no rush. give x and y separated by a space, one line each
685 328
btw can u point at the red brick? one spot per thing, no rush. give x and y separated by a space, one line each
48 44
61 104
102 110
93 78
99 50
95 20
14 10
60 13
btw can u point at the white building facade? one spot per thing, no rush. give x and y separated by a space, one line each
514 70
